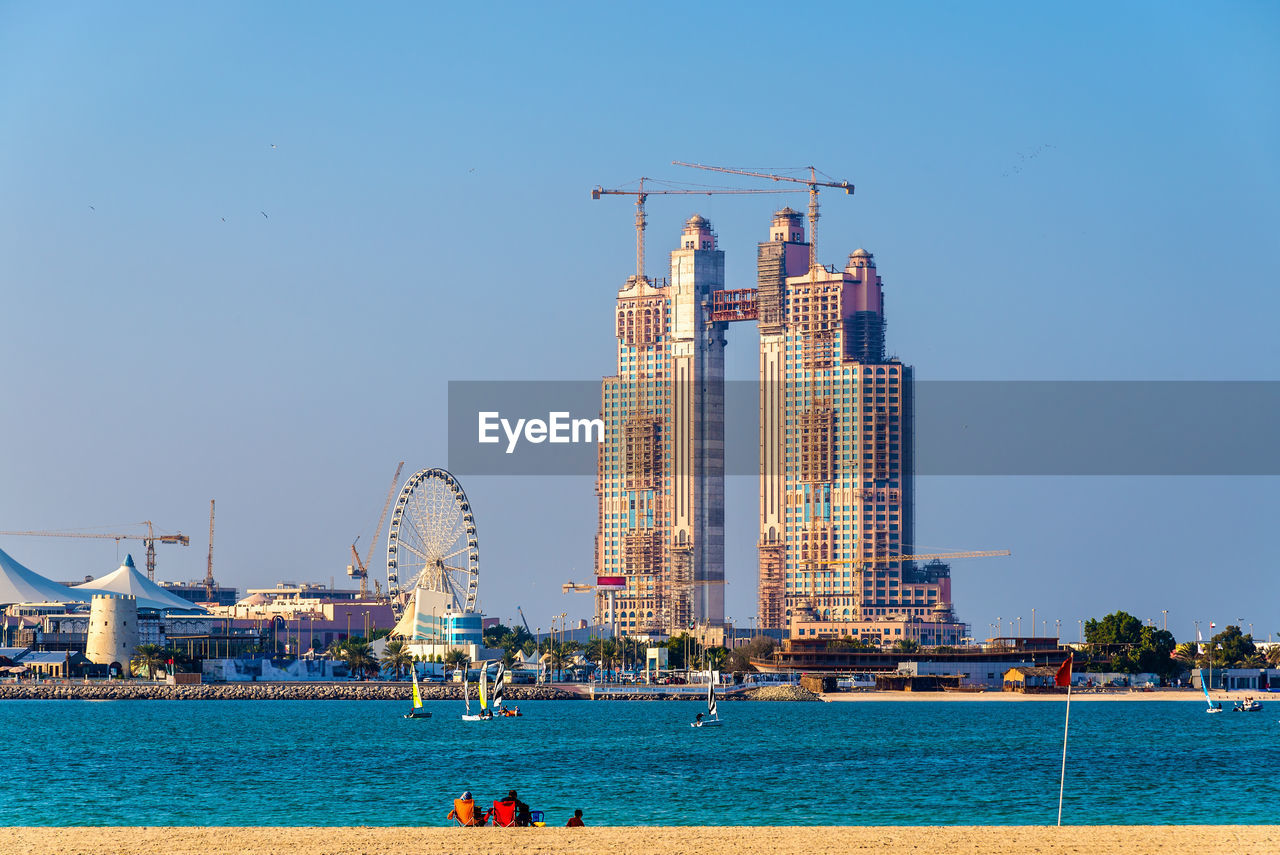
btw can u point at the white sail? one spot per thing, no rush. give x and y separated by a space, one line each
466 691
711 695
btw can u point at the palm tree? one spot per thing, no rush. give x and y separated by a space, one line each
559 654
397 657
148 659
360 658
716 657
456 659
338 648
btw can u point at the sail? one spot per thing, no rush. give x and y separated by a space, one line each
711 694
484 695
497 687
417 696
466 692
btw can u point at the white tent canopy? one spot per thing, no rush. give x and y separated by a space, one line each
126 579
20 585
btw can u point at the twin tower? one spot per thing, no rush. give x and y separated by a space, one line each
835 462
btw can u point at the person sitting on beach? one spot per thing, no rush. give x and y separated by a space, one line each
575 821
464 811
523 816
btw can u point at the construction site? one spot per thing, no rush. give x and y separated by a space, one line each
836 547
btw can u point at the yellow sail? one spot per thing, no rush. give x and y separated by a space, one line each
417 697
484 694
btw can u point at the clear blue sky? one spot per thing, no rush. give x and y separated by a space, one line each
428 219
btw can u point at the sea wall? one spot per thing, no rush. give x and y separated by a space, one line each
302 691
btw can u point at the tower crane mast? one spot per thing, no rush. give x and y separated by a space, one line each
642 194
811 182
209 586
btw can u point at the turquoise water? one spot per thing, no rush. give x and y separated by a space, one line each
635 763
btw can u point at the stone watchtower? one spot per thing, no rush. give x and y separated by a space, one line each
113 630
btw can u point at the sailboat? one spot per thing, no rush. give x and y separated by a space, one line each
1204 684
712 718
466 697
417 711
498 687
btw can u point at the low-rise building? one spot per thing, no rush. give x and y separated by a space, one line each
1030 679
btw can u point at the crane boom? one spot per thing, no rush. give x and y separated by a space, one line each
361 566
149 540
642 194
524 620
812 182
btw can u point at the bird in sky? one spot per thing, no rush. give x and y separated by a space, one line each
273 145
264 215
224 219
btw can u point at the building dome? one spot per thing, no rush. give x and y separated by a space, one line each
787 212
697 220
860 253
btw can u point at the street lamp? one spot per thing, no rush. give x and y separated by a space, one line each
1165 613
348 626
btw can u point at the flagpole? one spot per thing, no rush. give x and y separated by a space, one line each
1066 727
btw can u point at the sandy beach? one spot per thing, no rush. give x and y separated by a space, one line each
1076 696
996 840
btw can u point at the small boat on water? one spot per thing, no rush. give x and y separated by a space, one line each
1214 707
498 687
416 711
712 717
1247 705
484 714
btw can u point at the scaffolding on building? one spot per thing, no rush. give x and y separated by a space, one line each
817 424
772 587
770 279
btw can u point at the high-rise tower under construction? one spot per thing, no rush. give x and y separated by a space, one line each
660 475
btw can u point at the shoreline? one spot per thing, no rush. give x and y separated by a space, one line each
46 691
1058 697
641 840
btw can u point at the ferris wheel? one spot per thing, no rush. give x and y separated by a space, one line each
432 542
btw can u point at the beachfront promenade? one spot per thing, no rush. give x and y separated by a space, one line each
882 840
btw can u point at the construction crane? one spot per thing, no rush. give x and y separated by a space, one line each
525 621
149 539
642 194
209 586
811 182
360 570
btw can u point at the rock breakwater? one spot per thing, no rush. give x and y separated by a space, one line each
259 692
781 693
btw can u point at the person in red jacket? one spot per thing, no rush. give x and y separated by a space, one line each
575 821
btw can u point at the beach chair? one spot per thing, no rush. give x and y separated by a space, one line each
464 813
537 819
503 814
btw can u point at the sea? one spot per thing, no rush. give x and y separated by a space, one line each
340 763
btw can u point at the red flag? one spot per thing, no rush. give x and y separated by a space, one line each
1063 677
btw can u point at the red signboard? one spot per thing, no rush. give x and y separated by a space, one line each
608 582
